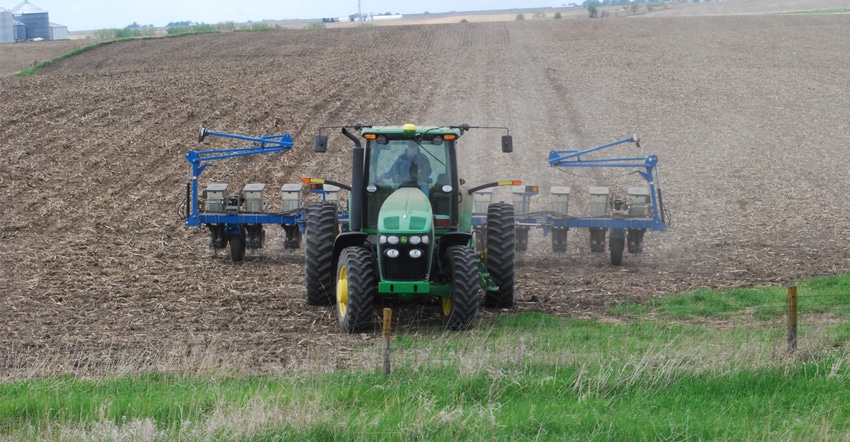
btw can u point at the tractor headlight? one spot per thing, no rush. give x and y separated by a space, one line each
426 239
415 240
415 253
392 239
383 239
392 253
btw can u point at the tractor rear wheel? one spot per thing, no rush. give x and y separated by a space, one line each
355 289
237 247
501 255
459 311
616 244
321 232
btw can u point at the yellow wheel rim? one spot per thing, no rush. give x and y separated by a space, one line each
447 306
342 291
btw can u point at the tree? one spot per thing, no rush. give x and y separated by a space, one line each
591 11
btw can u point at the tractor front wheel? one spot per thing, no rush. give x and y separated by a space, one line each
321 232
459 311
501 255
355 289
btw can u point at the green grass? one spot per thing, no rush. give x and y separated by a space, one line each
90 47
124 35
819 295
700 366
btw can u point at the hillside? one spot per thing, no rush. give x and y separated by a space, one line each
748 115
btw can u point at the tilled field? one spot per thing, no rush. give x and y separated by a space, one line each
747 114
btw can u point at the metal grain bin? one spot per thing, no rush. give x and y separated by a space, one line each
7 26
20 31
35 19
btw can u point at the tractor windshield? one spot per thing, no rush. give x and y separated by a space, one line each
406 163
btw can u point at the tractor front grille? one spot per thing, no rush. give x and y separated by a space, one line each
403 267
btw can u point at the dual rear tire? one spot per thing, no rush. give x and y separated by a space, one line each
501 255
321 232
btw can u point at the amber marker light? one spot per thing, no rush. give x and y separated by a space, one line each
409 129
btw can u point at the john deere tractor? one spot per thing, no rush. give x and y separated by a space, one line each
409 233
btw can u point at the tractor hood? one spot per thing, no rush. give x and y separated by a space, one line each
407 210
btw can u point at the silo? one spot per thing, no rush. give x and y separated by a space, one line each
35 19
20 31
7 26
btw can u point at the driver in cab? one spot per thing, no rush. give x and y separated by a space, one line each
412 168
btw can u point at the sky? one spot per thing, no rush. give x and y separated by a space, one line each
87 15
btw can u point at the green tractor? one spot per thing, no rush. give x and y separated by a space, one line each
409 232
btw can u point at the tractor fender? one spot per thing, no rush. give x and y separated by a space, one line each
452 239
347 239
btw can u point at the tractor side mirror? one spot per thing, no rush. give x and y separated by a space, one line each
507 144
321 144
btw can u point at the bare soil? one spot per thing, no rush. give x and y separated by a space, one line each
748 115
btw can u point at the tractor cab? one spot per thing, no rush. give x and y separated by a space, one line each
426 163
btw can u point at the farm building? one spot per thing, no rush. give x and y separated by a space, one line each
29 22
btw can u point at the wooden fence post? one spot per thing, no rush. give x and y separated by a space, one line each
388 320
792 318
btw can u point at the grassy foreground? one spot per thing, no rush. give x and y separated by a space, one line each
703 365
